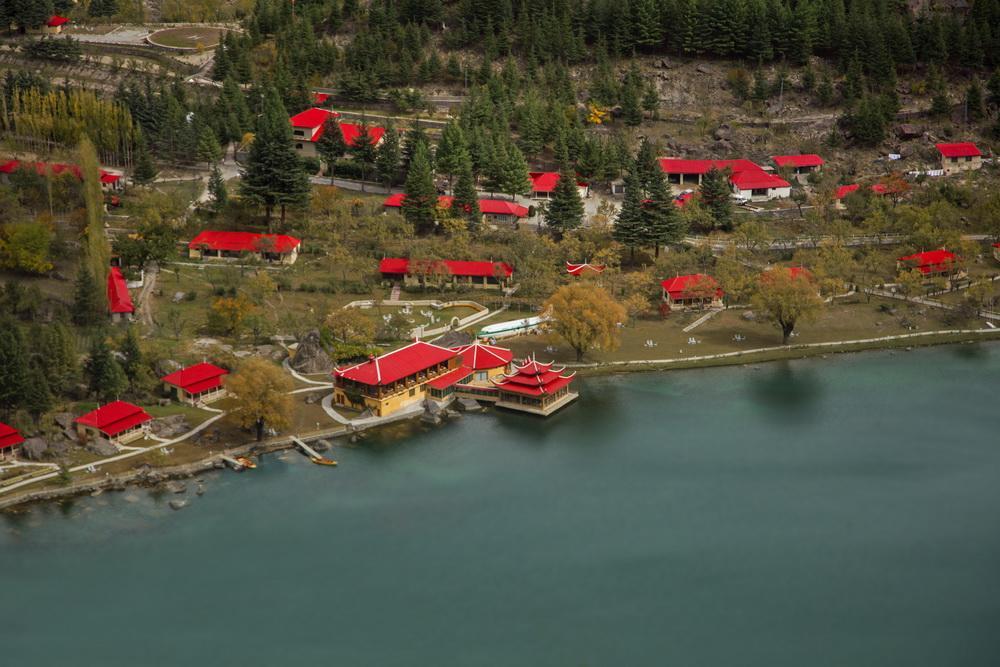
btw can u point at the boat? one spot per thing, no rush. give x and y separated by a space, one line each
323 461
246 463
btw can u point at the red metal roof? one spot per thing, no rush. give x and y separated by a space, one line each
965 149
396 201
479 357
115 418
845 190
54 169
745 174
806 160
108 178
932 261
9 437
396 365
244 242
196 379
534 379
579 269
680 287
119 300
756 180
501 207
351 132
401 265
454 377
545 181
319 98
312 118
55 21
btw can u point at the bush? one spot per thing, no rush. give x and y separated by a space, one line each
311 165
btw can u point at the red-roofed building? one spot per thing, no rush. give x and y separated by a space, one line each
535 388
956 158
584 269
10 440
308 128
320 98
933 263
799 165
396 201
845 190
109 180
747 179
119 422
694 290
543 184
198 384
120 305
501 212
996 251
54 25
485 361
237 245
386 384
487 275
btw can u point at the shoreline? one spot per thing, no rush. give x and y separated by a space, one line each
149 476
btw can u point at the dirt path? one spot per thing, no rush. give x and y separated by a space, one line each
145 296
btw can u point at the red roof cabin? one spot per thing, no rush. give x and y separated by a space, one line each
543 184
395 381
535 388
494 211
748 180
956 158
10 440
54 25
446 273
800 166
215 245
109 180
308 128
695 290
198 385
120 306
932 264
119 422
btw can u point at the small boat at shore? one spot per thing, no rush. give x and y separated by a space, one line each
323 461
246 463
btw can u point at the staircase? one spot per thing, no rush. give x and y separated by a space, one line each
394 295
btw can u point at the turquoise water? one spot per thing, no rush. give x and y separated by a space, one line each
827 512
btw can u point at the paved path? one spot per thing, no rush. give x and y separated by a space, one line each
409 411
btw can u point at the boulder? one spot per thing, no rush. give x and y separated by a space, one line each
310 357
322 445
749 316
428 418
166 367
169 427
468 405
176 487
35 449
723 132
64 420
452 414
314 397
177 504
101 447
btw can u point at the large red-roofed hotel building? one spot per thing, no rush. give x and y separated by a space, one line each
956 158
486 275
119 422
747 179
238 245
388 383
198 385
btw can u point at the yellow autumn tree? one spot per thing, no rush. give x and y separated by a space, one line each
787 297
260 391
586 317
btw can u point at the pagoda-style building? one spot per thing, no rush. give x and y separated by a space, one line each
535 388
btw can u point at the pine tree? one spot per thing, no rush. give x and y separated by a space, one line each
993 89
565 210
629 224
451 152
37 394
974 109
60 359
105 376
362 150
331 146
825 92
388 156
716 196
145 171
631 99
131 356
13 366
217 189
86 308
514 179
940 104
421 196
209 150
466 201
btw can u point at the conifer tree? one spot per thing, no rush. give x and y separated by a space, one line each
387 157
993 89
974 109
629 225
940 104
131 356
331 146
145 171
716 196
466 202
60 359
37 394
105 376
209 151
451 152
13 366
86 308
514 179
217 189
421 195
565 210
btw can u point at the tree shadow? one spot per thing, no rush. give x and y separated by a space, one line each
786 393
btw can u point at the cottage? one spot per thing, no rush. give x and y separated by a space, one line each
500 212
10 440
800 165
386 384
956 158
109 180
543 184
308 128
535 388
120 306
198 385
239 245
695 290
395 202
933 264
486 275
584 269
119 422
54 25
748 181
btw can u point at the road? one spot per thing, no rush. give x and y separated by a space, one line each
719 245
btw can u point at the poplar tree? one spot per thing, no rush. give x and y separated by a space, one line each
421 195
97 249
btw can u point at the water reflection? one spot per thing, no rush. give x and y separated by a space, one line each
788 391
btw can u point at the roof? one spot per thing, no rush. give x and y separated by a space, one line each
312 118
397 364
107 177
680 287
401 265
119 300
319 98
114 418
501 207
396 201
9 437
880 189
352 131
534 379
480 357
451 378
244 242
845 190
55 169
966 149
545 181
196 379
806 160
755 180
55 21
744 174
579 269
932 261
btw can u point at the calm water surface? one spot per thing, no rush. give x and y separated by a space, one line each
829 512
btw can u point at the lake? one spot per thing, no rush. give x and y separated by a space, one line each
830 512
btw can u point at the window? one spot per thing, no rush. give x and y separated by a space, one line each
758 192
298 146
954 160
968 158
413 391
299 133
